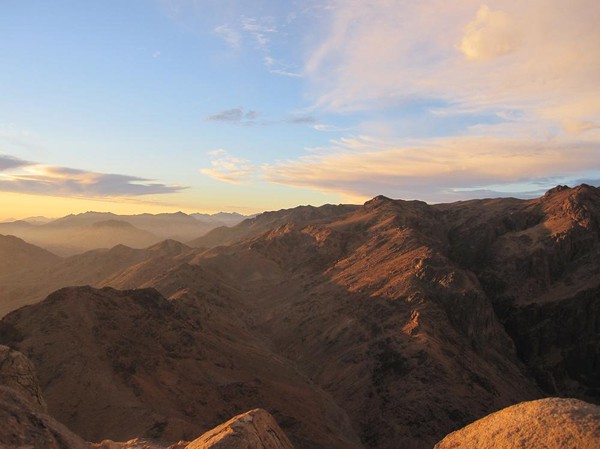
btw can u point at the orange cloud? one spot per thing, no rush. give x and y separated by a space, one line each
435 170
539 57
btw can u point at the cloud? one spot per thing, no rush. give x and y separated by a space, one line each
235 116
287 73
8 162
259 29
443 169
328 128
229 35
491 34
156 54
301 120
228 168
33 178
538 57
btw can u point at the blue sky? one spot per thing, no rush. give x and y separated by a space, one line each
202 105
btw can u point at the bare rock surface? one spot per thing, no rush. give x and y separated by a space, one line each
255 429
124 364
546 423
18 373
24 423
24 426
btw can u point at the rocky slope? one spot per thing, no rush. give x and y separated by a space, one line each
546 423
18 373
128 364
18 256
24 422
539 263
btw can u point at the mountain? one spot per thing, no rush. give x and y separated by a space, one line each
545 423
384 325
24 272
222 218
539 263
78 233
25 423
17 255
38 220
267 220
15 227
140 365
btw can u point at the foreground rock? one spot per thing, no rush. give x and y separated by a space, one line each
18 373
23 421
255 429
545 423
25 427
121 365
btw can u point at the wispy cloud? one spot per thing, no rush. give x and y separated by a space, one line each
237 116
328 128
301 120
8 162
20 176
539 57
228 168
287 73
229 35
441 169
259 29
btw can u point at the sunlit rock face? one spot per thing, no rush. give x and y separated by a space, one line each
255 429
546 423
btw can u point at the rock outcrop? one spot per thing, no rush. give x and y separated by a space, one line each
546 423
23 421
23 426
18 373
255 429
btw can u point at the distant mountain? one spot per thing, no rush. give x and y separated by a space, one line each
16 255
15 227
67 238
38 220
222 218
74 234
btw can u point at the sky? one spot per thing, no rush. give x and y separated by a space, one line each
251 105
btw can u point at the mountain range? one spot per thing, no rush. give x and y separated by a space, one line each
78 233
383 325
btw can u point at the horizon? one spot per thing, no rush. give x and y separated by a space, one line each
32 218
178 105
